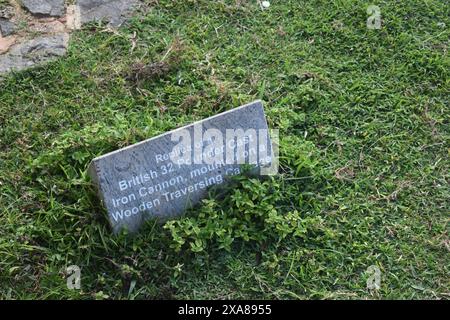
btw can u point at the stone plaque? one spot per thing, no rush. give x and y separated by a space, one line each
163 176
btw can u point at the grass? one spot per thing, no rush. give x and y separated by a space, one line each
363 119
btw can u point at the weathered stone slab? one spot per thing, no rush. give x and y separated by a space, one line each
6 27
54 8
115 12
162 176
31 52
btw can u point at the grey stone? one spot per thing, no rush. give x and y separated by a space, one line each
54 8
147 180
32 52
115 12
6 27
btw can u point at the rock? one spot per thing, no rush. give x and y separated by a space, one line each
6 43
6 27
32 52
54 26
115 12
53 8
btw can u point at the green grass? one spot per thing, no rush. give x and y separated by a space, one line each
363 119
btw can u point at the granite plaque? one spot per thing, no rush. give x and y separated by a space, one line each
163 176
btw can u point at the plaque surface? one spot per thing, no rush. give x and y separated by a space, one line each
163 176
